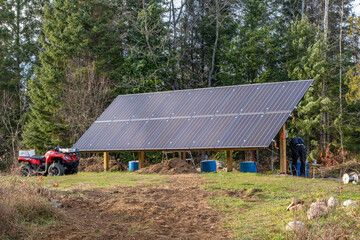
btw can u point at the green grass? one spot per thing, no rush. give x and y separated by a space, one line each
260 213
89 180
254 205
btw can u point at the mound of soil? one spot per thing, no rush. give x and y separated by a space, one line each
172 166
95 164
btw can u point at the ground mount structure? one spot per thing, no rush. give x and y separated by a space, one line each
241 117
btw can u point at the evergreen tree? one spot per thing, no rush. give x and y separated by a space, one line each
203 26
19 31
147 47
128 46
74 31
254 54
316 66
308 59
351 118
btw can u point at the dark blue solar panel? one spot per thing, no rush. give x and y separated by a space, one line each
266 130
246 116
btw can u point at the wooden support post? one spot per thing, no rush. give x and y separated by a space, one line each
106 161
283 149
141 159
229 158
183 156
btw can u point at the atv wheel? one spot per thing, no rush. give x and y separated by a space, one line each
72 171
25 170
56 169
75 170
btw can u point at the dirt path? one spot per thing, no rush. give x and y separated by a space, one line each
177 210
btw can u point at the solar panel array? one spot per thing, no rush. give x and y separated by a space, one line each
234 117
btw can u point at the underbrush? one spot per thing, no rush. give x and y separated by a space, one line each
25 209
337 170
5 163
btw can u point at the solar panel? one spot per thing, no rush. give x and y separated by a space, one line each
266 130
162 139
232 117
212 132
213 102
184 136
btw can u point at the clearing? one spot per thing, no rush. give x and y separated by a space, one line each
122 205
177 208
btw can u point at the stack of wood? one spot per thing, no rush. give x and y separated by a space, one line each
339 169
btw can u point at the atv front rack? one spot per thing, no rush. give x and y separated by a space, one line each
68 150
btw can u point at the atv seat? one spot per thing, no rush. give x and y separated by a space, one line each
37 157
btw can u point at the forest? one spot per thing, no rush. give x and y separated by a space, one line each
64 61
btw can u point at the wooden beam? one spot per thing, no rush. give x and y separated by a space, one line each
283 149
141 159
106 161
183 156
229 159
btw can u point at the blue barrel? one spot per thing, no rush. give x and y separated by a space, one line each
208 166
307 167
133 166
248 167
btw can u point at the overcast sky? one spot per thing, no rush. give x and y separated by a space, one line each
356 6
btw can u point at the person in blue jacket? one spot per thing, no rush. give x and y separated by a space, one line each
298 149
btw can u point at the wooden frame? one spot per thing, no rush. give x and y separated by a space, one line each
229 161
106 161
141 159
183 156
283 149
229 155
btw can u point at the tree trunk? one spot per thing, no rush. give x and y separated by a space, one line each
302 8
340 82
326 18
324 135
215 44
340 48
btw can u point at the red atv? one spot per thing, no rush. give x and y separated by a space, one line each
56 162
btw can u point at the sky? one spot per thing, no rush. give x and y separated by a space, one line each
356 6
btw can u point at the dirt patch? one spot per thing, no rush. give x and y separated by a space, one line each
254 191
95 164
178 210
245 194
172 166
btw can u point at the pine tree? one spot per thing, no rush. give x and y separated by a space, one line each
308 60
146 62
350 118
253 55
73 32
19 31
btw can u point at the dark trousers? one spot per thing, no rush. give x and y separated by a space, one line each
298 151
